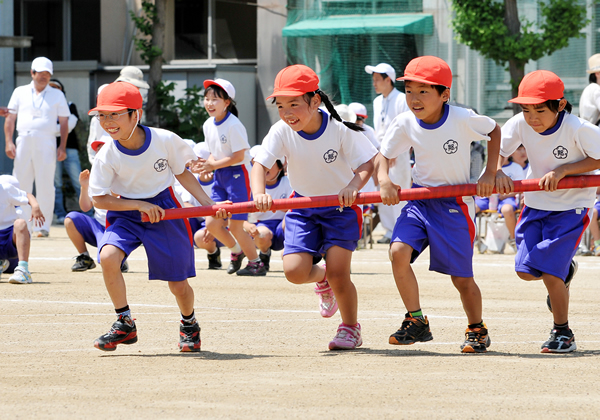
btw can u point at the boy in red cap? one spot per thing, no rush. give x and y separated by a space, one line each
140 167
441 136
553 221
325 156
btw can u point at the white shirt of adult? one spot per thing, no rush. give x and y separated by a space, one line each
589 104
321 163
385 109
226 137
141 173
571 139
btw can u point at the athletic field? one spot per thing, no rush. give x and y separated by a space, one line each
264 347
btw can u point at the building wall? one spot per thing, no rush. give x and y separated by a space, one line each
7 79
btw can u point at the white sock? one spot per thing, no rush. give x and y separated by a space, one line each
236 249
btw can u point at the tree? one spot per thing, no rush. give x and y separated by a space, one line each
494 29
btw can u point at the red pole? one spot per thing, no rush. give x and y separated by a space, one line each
581 181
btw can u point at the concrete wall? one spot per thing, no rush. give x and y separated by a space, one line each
7 79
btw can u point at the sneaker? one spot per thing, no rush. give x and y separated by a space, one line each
513 244
253 269
346 338
83 262
4 265
123 331
124 267
214 260
266 260
562 341
189 337
235 262
477 340
42 233
384 240
20 276
572 271
411 331
597 248
327 301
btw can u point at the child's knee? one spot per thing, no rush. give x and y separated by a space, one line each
527 276
400 252
179 288
20 225
111 255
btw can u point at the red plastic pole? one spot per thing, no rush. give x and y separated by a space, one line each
582 181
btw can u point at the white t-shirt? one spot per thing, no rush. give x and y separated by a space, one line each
320 163
37 113
371 135
442 150
513 170
282 189
187 197
589 104
385 109
96 133
226 137
10 197
141 173
570 140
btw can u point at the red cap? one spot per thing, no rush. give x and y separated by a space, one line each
295 80
96 143
538 87
428 69
117 96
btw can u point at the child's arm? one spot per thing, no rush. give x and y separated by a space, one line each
36 214
251 228
493 174
108 202
387 189
348 194
549 182
210 164
85 203
190 183
258 181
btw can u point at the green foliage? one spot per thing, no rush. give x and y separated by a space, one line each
144 24
480 25
183 116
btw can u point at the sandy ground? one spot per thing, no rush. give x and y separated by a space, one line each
264 347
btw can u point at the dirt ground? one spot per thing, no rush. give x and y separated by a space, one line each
264 347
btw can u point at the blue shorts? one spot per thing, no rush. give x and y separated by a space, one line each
276 228
484 203
597 206
548 240
447 225
88 227
512 201
168 243
315 230
7 247
232 183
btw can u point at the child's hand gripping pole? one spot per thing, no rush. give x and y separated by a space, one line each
581 181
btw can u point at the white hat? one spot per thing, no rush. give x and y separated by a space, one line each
42 64
201 150
346 113
594 64
359 109
382 68
254 150
9 179
101 87
223 84
133 75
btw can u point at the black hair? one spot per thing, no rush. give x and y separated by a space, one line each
221 93
440 88
325 99
593 78
553 105
57 82
385 76
281 171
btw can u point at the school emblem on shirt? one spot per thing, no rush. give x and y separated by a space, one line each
330 156
560 152
160 165
451 146
223 139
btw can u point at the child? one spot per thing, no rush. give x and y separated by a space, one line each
552 222
268 228
83 229
440 135
15 240
140 166
228 144
594 228
325 157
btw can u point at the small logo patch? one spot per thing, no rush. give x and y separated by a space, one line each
560 152
451 146
160 165
452 211
236 176
330 156
223 139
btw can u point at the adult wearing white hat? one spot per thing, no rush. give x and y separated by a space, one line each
589 104
390 103
133 75
35 108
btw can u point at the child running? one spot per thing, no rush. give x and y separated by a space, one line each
228 144
441 136
325 157
552 222
140 166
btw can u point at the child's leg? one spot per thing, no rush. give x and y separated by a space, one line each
184 294
218 227
111 258
299 269
264 240
21 239
559 297
470 296
404 276
189 330
74 235
338 277
510 219
201 242
236 227
594 227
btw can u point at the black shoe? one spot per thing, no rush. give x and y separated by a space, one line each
411 331
253 269
477 340
236 262
560 341
266 260
214 260
384 240
189 337
124 267
572 271
123 331
83 262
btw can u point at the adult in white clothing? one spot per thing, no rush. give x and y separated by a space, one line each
35 108
589 104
